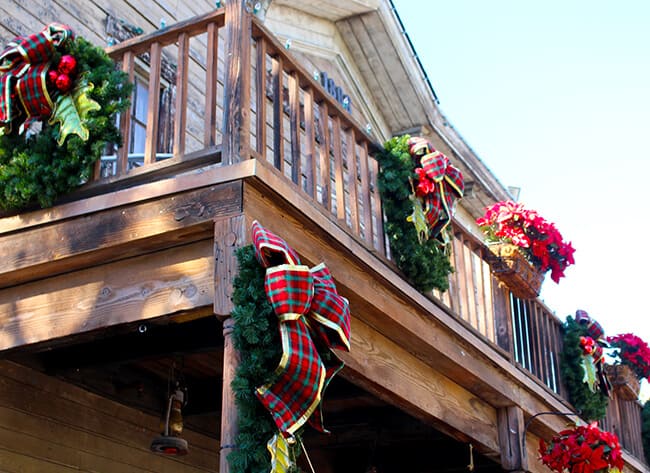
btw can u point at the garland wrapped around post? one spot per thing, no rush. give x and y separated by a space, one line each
419 187
287 319
75 91
588 387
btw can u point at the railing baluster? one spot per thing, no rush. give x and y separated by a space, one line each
365 193
278 114
326 193
338 170
151 145
294 129
310 145
377 209
260 69
180 112
352 181
125 117
210 114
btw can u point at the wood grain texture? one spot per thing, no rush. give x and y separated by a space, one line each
229 418
115 233
49 425
230 234
511 438
141 288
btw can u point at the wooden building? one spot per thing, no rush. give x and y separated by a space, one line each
269 111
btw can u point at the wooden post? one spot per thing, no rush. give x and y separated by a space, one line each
229 427
510 423
229 234
236 110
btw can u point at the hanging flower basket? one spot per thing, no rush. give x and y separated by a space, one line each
513 269
625 382
525 245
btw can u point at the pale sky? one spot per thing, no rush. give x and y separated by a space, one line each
554 97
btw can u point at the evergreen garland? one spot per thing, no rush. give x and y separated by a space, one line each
35 168
256 336
426 266
591 406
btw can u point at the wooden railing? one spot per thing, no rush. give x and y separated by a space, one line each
264 105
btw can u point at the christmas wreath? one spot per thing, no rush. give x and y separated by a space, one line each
581 366
418 188
73 90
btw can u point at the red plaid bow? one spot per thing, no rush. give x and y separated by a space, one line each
24 65
597 333
311 313
449 185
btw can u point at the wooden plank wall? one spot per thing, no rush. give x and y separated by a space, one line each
48 425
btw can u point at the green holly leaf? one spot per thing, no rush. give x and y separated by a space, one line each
71 111
589 369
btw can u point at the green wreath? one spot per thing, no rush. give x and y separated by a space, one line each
425 265
37 168
590 405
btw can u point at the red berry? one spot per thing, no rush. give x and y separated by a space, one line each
67 64
63 82
52 76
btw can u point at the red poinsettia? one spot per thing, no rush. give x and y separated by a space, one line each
633 352
539 240
584 449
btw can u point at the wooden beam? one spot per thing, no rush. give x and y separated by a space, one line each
125 291
387 370
114 233
511 439
229 418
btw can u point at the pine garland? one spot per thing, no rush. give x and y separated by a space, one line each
36 169
590 405
426 266
645 430
256 337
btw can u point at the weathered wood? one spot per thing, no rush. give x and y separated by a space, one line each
130 290
260 108
211 70
180 109
236 110
353 180
153 106
325 179
46 420
128 60
383 368
510 422
377 210
229 427
277 72
294 129
114 233
310 145
364 171
502 319
338 169
230 233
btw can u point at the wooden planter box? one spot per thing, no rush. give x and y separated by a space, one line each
514 270
624 380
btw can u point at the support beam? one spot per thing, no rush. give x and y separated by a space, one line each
230 233
510 422
229 420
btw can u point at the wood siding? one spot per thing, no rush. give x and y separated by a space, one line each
50 426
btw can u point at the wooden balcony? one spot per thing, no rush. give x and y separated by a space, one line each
255 136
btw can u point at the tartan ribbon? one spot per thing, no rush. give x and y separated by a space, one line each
311 315
596 332
449 185
24 65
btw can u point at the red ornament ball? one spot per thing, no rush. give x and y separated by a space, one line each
67 65
52 76
63 82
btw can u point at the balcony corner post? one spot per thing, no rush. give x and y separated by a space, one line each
236 110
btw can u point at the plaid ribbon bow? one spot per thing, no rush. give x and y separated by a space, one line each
596 332
24 65
449 184
311 313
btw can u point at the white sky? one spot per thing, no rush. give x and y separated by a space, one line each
554 97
